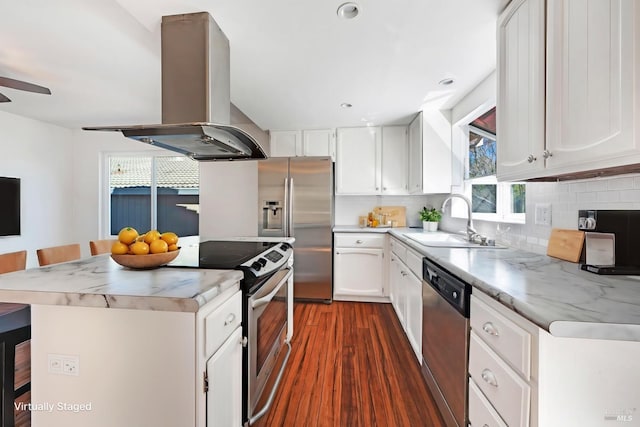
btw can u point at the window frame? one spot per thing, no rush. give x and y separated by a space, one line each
104 204
503 191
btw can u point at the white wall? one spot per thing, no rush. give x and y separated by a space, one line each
42 156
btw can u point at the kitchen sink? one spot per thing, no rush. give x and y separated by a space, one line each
446 240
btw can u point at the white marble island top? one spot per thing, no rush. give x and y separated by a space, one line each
554 294
99 282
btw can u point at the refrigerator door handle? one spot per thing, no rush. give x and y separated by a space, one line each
290 212
286 208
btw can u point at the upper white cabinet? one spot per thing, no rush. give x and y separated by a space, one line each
372 160
394 160
295 143
358 160
589 111
521 77
430 153
319 142
285 143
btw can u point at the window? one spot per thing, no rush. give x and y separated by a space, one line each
152 192
490 200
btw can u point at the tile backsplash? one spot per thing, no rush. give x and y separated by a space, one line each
348 208
565 198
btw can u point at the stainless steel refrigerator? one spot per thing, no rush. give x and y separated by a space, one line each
295 197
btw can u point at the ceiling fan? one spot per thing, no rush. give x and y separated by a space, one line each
20 85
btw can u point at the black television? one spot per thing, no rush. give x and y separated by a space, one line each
9 206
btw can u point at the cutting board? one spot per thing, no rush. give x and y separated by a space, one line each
566 244
393 213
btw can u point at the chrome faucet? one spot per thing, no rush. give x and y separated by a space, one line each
472 234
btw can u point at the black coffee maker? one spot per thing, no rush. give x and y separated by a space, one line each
625 225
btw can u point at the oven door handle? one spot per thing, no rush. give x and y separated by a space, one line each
267 298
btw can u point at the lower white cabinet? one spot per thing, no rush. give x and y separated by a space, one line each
406 293
224 378
358 267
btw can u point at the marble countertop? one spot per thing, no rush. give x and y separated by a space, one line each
99 281
554 294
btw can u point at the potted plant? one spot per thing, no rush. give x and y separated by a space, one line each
430 218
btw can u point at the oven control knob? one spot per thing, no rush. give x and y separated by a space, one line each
285 247
256 266
262 261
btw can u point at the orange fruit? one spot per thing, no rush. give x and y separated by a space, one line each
119 248
173 247
170 238
139 248
151 235
127 235
158 246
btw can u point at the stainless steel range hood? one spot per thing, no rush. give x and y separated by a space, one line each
196 107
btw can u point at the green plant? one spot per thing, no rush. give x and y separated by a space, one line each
430 215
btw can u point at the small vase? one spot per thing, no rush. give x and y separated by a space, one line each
430 225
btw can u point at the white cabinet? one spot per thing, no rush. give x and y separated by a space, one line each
521 83
295 143
406 288
415 155
587 116
285 143
358 267
358 160
394 160
372 160
224 377
319 142
503 377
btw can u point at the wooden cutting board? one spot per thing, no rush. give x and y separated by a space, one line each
394 213
566 244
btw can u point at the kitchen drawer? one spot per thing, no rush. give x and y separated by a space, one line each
219 325
509 340
507 392
399 249
414 262
481 413
362 240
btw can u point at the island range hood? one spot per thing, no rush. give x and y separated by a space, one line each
196 107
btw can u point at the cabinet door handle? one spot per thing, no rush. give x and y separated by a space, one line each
531 158
546 154
229 320
490 329
489 377
377 188
359 241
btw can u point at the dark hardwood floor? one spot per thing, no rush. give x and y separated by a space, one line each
351 365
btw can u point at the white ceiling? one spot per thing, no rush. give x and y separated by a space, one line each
293 62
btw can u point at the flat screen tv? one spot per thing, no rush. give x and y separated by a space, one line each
9 206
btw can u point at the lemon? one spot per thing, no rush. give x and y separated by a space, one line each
139 248
127 235
173 247
158 246
150 236
170 238
119 248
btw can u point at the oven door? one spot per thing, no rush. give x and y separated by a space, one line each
267 318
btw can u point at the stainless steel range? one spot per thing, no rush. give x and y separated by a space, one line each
267 265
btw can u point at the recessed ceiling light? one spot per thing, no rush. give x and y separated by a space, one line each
446 82
348 10
346 105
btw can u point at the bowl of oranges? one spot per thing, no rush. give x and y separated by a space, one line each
144 251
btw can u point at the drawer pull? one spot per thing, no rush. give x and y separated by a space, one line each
489 377
490 329
358 241
229 320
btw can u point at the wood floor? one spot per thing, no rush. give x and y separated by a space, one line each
351 365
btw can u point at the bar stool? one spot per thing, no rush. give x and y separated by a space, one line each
98 247
57 254
15 329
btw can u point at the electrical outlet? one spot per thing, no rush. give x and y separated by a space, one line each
62 364
543 214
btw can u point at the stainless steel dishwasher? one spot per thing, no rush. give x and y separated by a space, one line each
445 341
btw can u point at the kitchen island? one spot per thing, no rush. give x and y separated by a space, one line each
113 346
